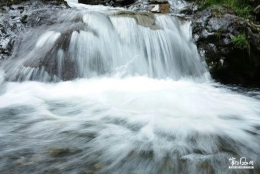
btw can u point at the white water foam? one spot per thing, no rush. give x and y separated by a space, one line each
181 120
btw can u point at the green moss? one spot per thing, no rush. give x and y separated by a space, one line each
242 8
244 11
240 41
219 32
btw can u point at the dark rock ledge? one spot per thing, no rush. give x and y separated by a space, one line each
215 31
18 15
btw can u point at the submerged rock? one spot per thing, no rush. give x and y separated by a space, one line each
60 152
215 31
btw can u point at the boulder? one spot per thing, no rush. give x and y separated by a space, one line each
230 45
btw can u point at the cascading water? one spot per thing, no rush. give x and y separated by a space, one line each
137 99
97 43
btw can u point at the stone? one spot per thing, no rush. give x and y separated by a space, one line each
189 9
164 8
213 31
159 8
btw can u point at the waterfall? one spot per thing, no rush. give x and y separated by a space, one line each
88 43
131 95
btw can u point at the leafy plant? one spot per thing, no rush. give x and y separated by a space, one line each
244 11
240 41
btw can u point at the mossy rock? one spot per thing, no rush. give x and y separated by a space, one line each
230 45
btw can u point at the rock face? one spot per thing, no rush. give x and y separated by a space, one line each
15 19
215 30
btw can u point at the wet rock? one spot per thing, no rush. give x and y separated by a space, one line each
61 152
143 18
214 30
154 6
116 3
206 167
16 18
99 166
159 8
190 9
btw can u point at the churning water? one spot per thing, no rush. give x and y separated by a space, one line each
137 99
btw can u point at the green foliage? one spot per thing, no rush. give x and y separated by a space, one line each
219 32
244 11
240 41
243 8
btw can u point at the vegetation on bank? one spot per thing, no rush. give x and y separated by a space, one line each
228 32
240 41
242 8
